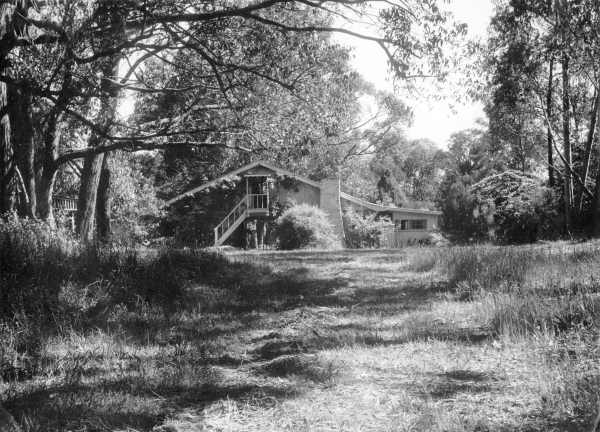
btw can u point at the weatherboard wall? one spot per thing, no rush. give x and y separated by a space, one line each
298 193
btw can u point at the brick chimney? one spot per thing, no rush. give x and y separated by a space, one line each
331 205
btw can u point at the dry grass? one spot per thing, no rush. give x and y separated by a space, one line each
455 339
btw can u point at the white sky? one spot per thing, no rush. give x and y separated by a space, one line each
432 119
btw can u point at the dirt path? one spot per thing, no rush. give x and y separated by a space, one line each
367 346
310 341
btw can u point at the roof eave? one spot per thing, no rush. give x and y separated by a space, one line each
236 172
380 208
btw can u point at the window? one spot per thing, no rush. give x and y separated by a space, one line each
418 224
412 224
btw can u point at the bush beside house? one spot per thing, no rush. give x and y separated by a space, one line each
364 231
304 226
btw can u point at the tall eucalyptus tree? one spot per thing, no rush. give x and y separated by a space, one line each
64 56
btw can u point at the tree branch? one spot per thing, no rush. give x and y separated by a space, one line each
133 146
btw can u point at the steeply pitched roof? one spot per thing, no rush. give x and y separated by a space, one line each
240 171
343 195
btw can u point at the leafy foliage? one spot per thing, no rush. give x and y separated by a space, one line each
470 159
135 206
304 226
192 220
523 210
395 170
543 102
363 231
31 251
212 80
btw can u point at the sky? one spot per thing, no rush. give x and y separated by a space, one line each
434 120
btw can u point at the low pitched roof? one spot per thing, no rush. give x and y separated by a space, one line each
240 171
382 208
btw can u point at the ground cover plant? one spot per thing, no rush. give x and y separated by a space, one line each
421 339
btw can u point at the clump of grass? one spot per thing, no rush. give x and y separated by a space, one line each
423 260
549 295
49 283
546 293
475 267
303 366
487 268
33 264
523 290
531 313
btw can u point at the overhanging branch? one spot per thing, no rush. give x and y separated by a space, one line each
133 146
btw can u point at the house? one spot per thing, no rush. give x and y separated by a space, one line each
263 185
67 207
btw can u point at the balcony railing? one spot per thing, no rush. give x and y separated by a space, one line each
258 201
65 204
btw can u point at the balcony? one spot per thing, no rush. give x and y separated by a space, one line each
258 204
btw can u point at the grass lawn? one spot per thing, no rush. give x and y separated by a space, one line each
317 341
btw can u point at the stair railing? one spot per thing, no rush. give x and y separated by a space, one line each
234 215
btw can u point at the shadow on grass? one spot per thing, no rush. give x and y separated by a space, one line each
225 301
127 403
401 297
247 292
306 367
452 383
541 422
350 335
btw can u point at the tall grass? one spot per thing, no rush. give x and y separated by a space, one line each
524 290
51 283
543 296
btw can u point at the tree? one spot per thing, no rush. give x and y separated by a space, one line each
52 51
409 171
470 159
11 25
544 80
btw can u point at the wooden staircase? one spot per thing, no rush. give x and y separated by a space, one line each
250 205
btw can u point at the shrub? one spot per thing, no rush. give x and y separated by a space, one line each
51 283
523 210
462 220
363 231
33 263
304 226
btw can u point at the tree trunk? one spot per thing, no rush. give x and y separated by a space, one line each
549 131
11 24
104 201
568 195
92 168
7 192
589 145
24 146
6 17
88 192
45 195
52 137
596 206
